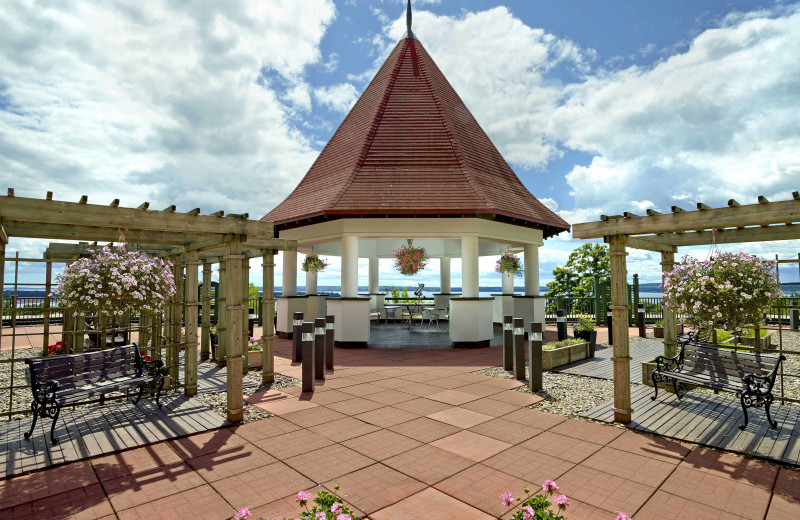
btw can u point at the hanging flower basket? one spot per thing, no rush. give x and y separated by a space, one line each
410 260
314 264
115 282
729 290
509 263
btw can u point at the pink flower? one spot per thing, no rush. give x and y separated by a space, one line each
302 497
336 507
562 501
242 514
508 498
320 516
528 513
623 516
550 486
344 516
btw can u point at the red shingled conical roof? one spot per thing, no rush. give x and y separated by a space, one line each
410 147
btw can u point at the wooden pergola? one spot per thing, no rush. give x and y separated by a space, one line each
188 240
665 233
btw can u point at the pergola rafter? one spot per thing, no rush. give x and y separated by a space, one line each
664 232
189 240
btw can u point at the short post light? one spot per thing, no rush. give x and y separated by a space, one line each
794 315
307 346
329 323
610 324
519 349
561 323
319 348
297 324
508 343
640 321
535 358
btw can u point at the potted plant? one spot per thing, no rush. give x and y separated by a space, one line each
585 330
314 264
729 290
509 264
410 260
254 352
658 329
557 353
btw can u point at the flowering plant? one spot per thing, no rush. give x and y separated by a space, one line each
314 264
510 264
730 289
410 260
57 349
537 507
327 506
114 282
253 345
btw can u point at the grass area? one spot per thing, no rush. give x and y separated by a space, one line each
563 343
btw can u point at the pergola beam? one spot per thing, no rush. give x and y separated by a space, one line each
764 213
651 244
727 236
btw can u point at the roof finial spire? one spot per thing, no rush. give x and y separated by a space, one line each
409 32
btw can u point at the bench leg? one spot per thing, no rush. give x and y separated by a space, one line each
744 409
773 424
35 409
139 395
55 420
655 384
158 394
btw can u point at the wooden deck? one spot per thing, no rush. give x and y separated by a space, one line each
602 367
713 420
99 430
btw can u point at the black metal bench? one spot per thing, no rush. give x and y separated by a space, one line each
749 375
79 378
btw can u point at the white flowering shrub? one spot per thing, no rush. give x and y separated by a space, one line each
114 282
730 290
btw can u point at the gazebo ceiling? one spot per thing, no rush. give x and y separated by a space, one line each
410 148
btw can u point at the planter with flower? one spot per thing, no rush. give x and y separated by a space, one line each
509 264
538 506
314 264
110 283
254 352
57 349
326 506
410 260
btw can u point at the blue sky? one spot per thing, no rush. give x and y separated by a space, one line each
600 107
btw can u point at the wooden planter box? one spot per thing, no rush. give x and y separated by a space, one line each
761 343
254 358
564 355
658 332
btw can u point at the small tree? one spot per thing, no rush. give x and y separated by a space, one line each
576 277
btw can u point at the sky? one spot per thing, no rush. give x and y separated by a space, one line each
599 107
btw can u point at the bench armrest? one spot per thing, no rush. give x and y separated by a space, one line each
668 364
44 392
762 385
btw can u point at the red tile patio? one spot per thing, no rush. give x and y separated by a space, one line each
407 434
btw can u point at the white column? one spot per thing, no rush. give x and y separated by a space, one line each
444 275
289 286
531 266
311 282
374 273
349 266
469 267
508 283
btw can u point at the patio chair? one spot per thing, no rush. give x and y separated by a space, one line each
374 314
435 315
413 312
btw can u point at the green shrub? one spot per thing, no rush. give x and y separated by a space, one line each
750 333
585 324
659 323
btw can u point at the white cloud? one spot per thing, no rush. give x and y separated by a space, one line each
339 97
158 101
551 204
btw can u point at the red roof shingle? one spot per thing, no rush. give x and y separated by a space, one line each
410 146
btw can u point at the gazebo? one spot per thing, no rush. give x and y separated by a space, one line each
410 162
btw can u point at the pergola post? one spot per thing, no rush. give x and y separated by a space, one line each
289 286
205 335
46 311
268 310
234 311
469 267
670 325
246 318
531 273
619 309
222 336
177 318
350 266
192 307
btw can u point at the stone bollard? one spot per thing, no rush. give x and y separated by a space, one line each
519 348
535 358
508 343
307 345
640 321
794 317
319 348
610 324
329 322
561 324
297 349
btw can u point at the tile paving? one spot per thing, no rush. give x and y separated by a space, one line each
397 430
